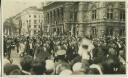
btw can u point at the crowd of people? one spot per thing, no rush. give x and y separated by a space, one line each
65 55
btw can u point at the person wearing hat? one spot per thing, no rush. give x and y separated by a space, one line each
66 72
62 66
69 52
8 68
38 68
77 67
99 54
50 67
26 64
41 53
17 42
85 48
6 61
97 68
60 54
27 46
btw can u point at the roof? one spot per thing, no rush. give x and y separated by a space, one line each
29 8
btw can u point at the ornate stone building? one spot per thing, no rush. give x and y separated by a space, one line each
105 18
29 21
92 19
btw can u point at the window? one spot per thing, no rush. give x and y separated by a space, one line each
94 30
29 15
34 31
71 16
75 16
34 26
122 5
35 21
34 16
20 23
110 14
74 31
122 15
109 31
93 14
29 26
102 32
29 21
122 32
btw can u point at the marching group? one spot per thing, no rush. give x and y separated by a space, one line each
65 55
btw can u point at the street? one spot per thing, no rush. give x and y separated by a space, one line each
15 57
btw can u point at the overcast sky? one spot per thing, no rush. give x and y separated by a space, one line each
12 7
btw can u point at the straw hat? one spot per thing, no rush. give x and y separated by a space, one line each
50 65
66 72
77 67
60 52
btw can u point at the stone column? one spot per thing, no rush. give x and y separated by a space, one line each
66 18
53 16
62 13
59 15
58 19
50 17
81 17
47 18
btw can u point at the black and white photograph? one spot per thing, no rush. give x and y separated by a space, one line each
64 37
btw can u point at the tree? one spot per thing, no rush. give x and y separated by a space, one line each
9 26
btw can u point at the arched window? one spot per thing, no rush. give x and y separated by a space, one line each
71 16
109 12
109 31
35 21
94 30
122 32
75 16
93 14
122 14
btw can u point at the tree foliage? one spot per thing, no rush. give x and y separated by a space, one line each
9 23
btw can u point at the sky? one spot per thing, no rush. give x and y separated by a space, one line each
13 7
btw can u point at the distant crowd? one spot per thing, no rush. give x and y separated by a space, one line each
65 55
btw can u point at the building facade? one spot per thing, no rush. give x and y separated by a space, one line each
29 21
93 19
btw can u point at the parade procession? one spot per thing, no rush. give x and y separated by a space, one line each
66 38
